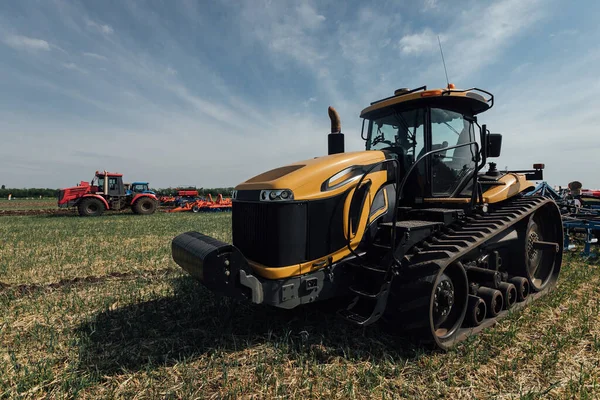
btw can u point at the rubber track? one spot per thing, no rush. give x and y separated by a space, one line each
411 290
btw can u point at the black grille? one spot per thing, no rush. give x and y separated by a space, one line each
272 234
281 234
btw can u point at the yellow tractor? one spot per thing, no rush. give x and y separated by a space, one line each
412 230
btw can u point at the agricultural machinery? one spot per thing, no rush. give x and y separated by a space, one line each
411 231
204 205
105 192
580 211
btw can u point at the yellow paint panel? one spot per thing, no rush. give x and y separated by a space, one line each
306 181
513 184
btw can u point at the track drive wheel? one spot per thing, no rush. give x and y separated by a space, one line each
90 207
448 304
144 206
431 309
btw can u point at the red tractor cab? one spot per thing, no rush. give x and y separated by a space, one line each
105 192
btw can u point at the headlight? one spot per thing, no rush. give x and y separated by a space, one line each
276 195
234 195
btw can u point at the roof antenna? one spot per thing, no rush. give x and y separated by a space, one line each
444 62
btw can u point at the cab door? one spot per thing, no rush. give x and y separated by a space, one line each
115 186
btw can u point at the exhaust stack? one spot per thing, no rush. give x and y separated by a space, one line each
335 140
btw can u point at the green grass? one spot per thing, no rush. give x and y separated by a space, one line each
96 308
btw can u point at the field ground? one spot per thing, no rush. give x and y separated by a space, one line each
28 204
96 308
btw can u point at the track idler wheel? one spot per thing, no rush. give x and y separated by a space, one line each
476 311
509 292
541 246
493 298
522 286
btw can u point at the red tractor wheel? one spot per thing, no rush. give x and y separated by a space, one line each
90 207
144 206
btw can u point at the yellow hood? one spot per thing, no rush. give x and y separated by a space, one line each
308 178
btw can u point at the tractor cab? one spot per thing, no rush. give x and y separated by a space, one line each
435 135
139 187
110 184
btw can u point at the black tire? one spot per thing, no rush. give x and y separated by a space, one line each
144 206
90 207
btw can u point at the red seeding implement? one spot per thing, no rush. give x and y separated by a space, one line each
204 205
105 192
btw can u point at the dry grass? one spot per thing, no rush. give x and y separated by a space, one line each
97 309
28 204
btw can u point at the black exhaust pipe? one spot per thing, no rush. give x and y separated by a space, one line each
335 140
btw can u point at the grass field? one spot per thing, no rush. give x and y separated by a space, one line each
96 308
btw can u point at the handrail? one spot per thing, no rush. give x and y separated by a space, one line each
399 192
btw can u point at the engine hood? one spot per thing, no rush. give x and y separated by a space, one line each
318 177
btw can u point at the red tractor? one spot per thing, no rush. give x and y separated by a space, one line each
105 192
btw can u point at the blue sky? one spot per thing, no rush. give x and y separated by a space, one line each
211 93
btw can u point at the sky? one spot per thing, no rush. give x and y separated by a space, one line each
209 94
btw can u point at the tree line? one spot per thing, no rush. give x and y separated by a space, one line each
37 192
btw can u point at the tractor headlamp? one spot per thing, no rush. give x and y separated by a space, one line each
276 195
234 195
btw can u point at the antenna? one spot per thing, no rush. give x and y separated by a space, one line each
444 62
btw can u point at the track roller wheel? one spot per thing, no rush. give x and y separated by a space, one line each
493 300
509 292
522 286
476 311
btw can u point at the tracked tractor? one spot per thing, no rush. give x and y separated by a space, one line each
105 192
416 231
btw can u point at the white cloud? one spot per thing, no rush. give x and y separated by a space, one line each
424 42
308 16
75 67
94 55
103 28
26 43
171 71
309 101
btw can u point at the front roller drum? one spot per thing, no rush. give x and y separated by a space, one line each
221 267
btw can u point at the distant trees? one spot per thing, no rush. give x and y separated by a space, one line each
24 193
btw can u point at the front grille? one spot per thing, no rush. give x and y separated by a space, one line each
272 234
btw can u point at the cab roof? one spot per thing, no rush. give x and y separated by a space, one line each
465 101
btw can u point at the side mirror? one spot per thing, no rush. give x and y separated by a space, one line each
494 145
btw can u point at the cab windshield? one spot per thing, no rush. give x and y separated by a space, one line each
403 133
